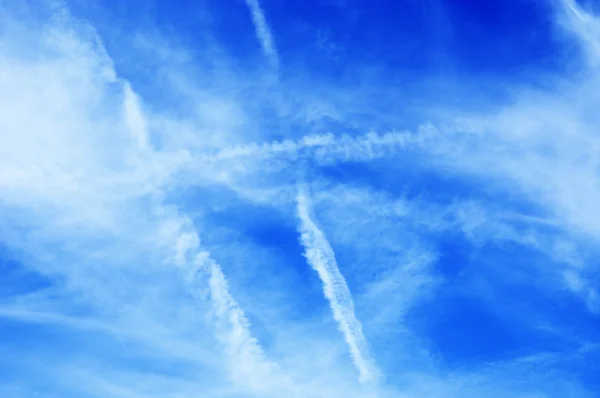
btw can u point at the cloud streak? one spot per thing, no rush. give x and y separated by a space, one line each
585 26
320 256
263 32
246 356
134 117
324 148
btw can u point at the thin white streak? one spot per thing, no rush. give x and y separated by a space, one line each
585 26
244 352
326 148
320 256
263 32
134 117
29 316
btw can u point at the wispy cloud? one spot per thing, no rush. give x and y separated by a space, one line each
584 25
320 256
94 164
159 235
263 32
134 116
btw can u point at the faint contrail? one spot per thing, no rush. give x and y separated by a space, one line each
263 32
327 147
245 354
320 256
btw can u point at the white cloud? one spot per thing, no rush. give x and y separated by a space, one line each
84 194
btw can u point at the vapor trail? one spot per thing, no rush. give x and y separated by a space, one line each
320 256
263 32
244 352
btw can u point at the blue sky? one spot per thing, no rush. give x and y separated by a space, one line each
261 198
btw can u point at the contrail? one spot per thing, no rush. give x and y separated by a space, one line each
320 256
233 328
263 32
327 147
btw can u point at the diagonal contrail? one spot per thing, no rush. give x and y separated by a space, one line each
320 256
246 356
263 32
